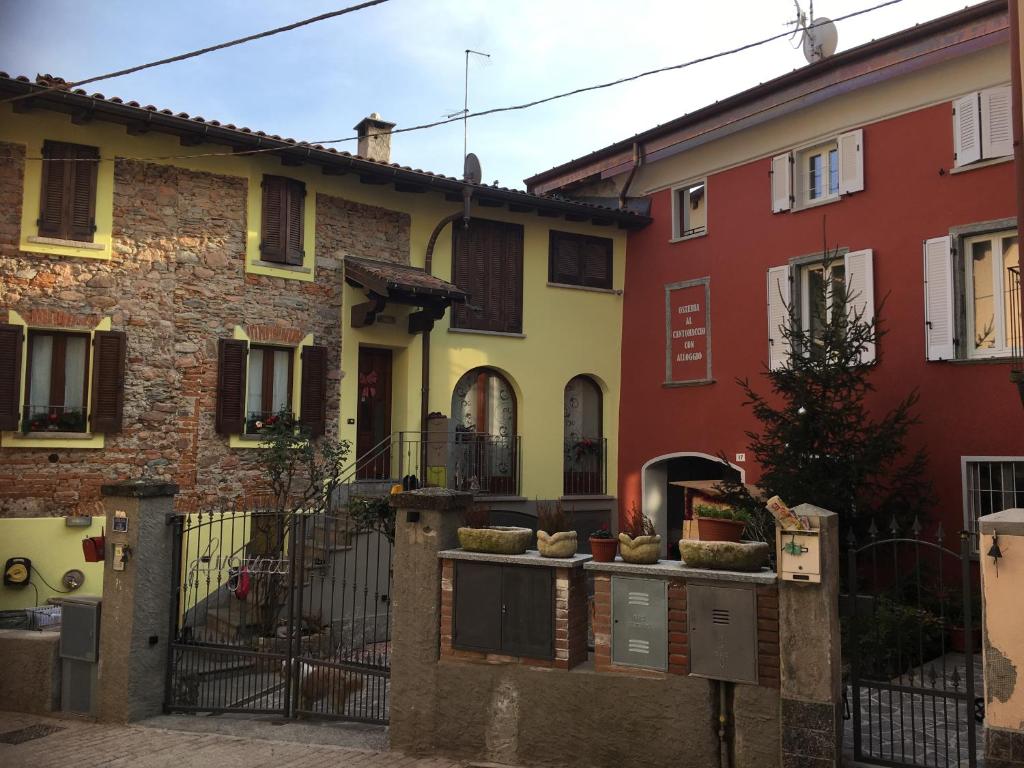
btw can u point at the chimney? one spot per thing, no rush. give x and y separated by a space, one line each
374 138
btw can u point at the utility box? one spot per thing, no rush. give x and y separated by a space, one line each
640 622
79 653
723 632
798 554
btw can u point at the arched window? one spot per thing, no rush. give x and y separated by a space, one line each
584 457
485 443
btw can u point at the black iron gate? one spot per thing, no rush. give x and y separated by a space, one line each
910 637
284 613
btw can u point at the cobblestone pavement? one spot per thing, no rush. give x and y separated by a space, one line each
56 743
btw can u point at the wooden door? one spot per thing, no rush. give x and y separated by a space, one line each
373 414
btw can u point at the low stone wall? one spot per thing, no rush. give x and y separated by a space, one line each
30 673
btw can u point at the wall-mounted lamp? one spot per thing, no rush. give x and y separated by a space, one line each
78 521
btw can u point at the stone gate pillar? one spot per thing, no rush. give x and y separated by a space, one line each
1002 534
136 609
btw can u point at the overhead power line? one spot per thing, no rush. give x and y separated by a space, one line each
511 108
201 51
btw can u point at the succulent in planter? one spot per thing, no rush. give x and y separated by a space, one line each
720 523
555 536
603 545
640 542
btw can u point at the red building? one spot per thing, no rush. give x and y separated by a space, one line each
902 151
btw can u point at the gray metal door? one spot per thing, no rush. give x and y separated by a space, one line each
640 622
723 632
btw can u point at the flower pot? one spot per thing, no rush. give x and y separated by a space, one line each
603 550
643 550
496 539
559 544
714 529
958 639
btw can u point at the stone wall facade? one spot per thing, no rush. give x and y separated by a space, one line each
175 285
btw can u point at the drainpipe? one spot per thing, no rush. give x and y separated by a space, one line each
428 264
638 160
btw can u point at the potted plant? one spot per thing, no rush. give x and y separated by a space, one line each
602 545
639 543
477 536
555 537
720 523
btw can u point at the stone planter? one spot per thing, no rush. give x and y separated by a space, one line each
643 550
559 544
724 555
497 539
603 550
714 529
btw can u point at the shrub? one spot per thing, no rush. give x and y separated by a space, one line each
721 513
638 524
552 518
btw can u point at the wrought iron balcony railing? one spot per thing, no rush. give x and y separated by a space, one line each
585 467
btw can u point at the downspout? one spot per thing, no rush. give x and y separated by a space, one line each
1016 62
428 264
638 160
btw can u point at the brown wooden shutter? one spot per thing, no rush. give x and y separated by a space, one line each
51 200
108 363
467 273
295 210
564 259
81 211
313 395
232 355
273 236
10 375
512 278
596 262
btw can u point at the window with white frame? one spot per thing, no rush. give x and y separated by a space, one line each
982 126
991 484
822 296
968 286
690 210
820 173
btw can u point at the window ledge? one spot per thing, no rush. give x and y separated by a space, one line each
498 497
981 164
696 383
56 435
586 497
88 246
487 333
285 267
592 289
684 238
816 203
991 360
52 440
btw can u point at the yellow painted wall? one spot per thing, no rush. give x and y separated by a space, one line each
566 332
53 549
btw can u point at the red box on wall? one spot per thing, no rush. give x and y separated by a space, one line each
94 548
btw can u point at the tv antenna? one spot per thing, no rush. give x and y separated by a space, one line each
465 102
819 39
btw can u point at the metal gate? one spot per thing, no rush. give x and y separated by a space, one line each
283 613
909 643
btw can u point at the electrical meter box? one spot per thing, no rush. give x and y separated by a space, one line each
798 554
723 632
640 622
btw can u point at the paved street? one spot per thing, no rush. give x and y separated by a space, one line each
40 742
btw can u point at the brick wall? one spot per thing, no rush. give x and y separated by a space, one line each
176 283
768 636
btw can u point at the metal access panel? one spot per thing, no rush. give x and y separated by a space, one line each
78 687
80 629
527 621
477 606
723 632
640 622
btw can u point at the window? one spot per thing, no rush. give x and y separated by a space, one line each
254 386
583 462
977 320
823 296
485 451
689 210
580 260
991 484
487 263
67 206
57 394
982 126
819 173
284 202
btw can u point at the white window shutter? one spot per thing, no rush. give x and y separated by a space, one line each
860 293
779 292
996 124
938 298
782 183
966 130
851 162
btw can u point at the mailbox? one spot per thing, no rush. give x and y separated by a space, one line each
640 622
723 632
799 556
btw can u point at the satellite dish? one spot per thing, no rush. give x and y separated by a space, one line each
471 170
820 40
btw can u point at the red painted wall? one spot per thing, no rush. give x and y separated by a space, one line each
966 409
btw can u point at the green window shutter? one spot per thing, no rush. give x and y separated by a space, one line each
109 349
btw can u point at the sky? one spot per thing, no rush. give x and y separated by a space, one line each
405 60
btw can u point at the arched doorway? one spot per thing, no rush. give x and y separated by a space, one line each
484 443
665 502
583 459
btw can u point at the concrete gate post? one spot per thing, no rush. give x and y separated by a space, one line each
810 656
1003 639
135 615
426 522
